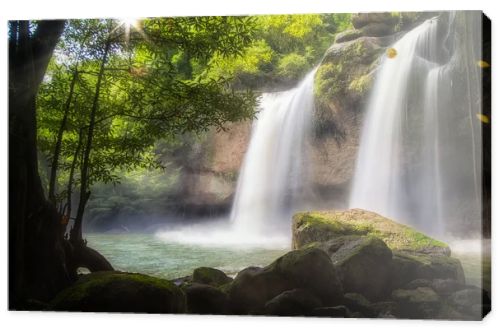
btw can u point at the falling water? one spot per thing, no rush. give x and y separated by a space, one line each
272 177
420 151
272 181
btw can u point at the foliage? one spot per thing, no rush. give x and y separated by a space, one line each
135 85
284 48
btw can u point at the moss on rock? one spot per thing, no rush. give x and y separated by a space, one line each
324 225
210 276
114 291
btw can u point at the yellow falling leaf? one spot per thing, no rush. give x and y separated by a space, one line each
483 118
483 64
391 53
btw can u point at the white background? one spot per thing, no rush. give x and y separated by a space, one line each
38 322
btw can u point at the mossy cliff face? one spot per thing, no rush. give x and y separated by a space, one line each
342 87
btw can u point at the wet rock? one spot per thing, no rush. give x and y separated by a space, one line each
358 303
331 312
377 29
348 35
470 301
418 283
210 276
419 303
363 262
308 269
385 309
114 291
445 287
253 287
205 299
360 20
408 266
294 302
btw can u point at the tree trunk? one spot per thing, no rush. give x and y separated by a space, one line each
38 252
36 255
76 232
60 133
71 178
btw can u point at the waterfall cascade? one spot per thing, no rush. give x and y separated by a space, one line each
272 176
419 159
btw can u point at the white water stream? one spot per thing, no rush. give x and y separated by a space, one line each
419 159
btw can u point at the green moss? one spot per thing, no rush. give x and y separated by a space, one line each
211 276
361 84
121 292
319 226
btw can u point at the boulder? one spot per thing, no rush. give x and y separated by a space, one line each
360 243
253 287
348 35
308 269
408 266
360 20
472 301
210 276
317 226
294 302
364 264
113 291
377 29
445 287
358 303
419 303
205 299
332 312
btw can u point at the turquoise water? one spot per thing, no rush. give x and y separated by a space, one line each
146 253
149 254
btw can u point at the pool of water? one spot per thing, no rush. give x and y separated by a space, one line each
152 255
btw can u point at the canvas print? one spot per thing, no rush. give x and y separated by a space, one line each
315 165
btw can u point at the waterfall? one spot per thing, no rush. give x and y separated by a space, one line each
419 158
272 177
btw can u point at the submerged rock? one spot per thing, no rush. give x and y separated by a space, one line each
114 291
308 269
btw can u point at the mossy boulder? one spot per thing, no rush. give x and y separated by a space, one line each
210 276
205 299
114 291
375 254
308 269
348 35
317 226
361 20
294 302
377 29
364 264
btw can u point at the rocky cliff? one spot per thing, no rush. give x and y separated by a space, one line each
342 87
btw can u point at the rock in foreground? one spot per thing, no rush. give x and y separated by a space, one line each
113 291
